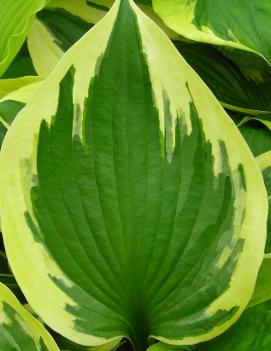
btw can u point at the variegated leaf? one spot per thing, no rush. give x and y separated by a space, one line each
242 24
7 86
12 103
16 17
64 22
164 347
253 330
126 197
19 330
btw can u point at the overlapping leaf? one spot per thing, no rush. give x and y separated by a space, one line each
12 103
18 329
7 86
128 201
252 330
21 65
64 22
16 17
226 79
256 132
262 291
164 347
240 24
264 162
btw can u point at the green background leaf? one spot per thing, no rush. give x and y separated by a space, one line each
226 80
16 17
257 136
264 162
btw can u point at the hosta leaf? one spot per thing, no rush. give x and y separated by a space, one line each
3 259
257 135
65 344
21 66
9 281
264 162
9 109
134 212
19 331
264 119
3 130
113 345
12 104
240 24
252 330
7 86
246 59
226 80
164 347
64 22
49 38
262 291
16 17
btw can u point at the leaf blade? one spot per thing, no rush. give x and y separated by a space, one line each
19 330
17 17
198 20
93 254
252 330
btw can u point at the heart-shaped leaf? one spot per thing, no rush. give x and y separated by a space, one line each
126 197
